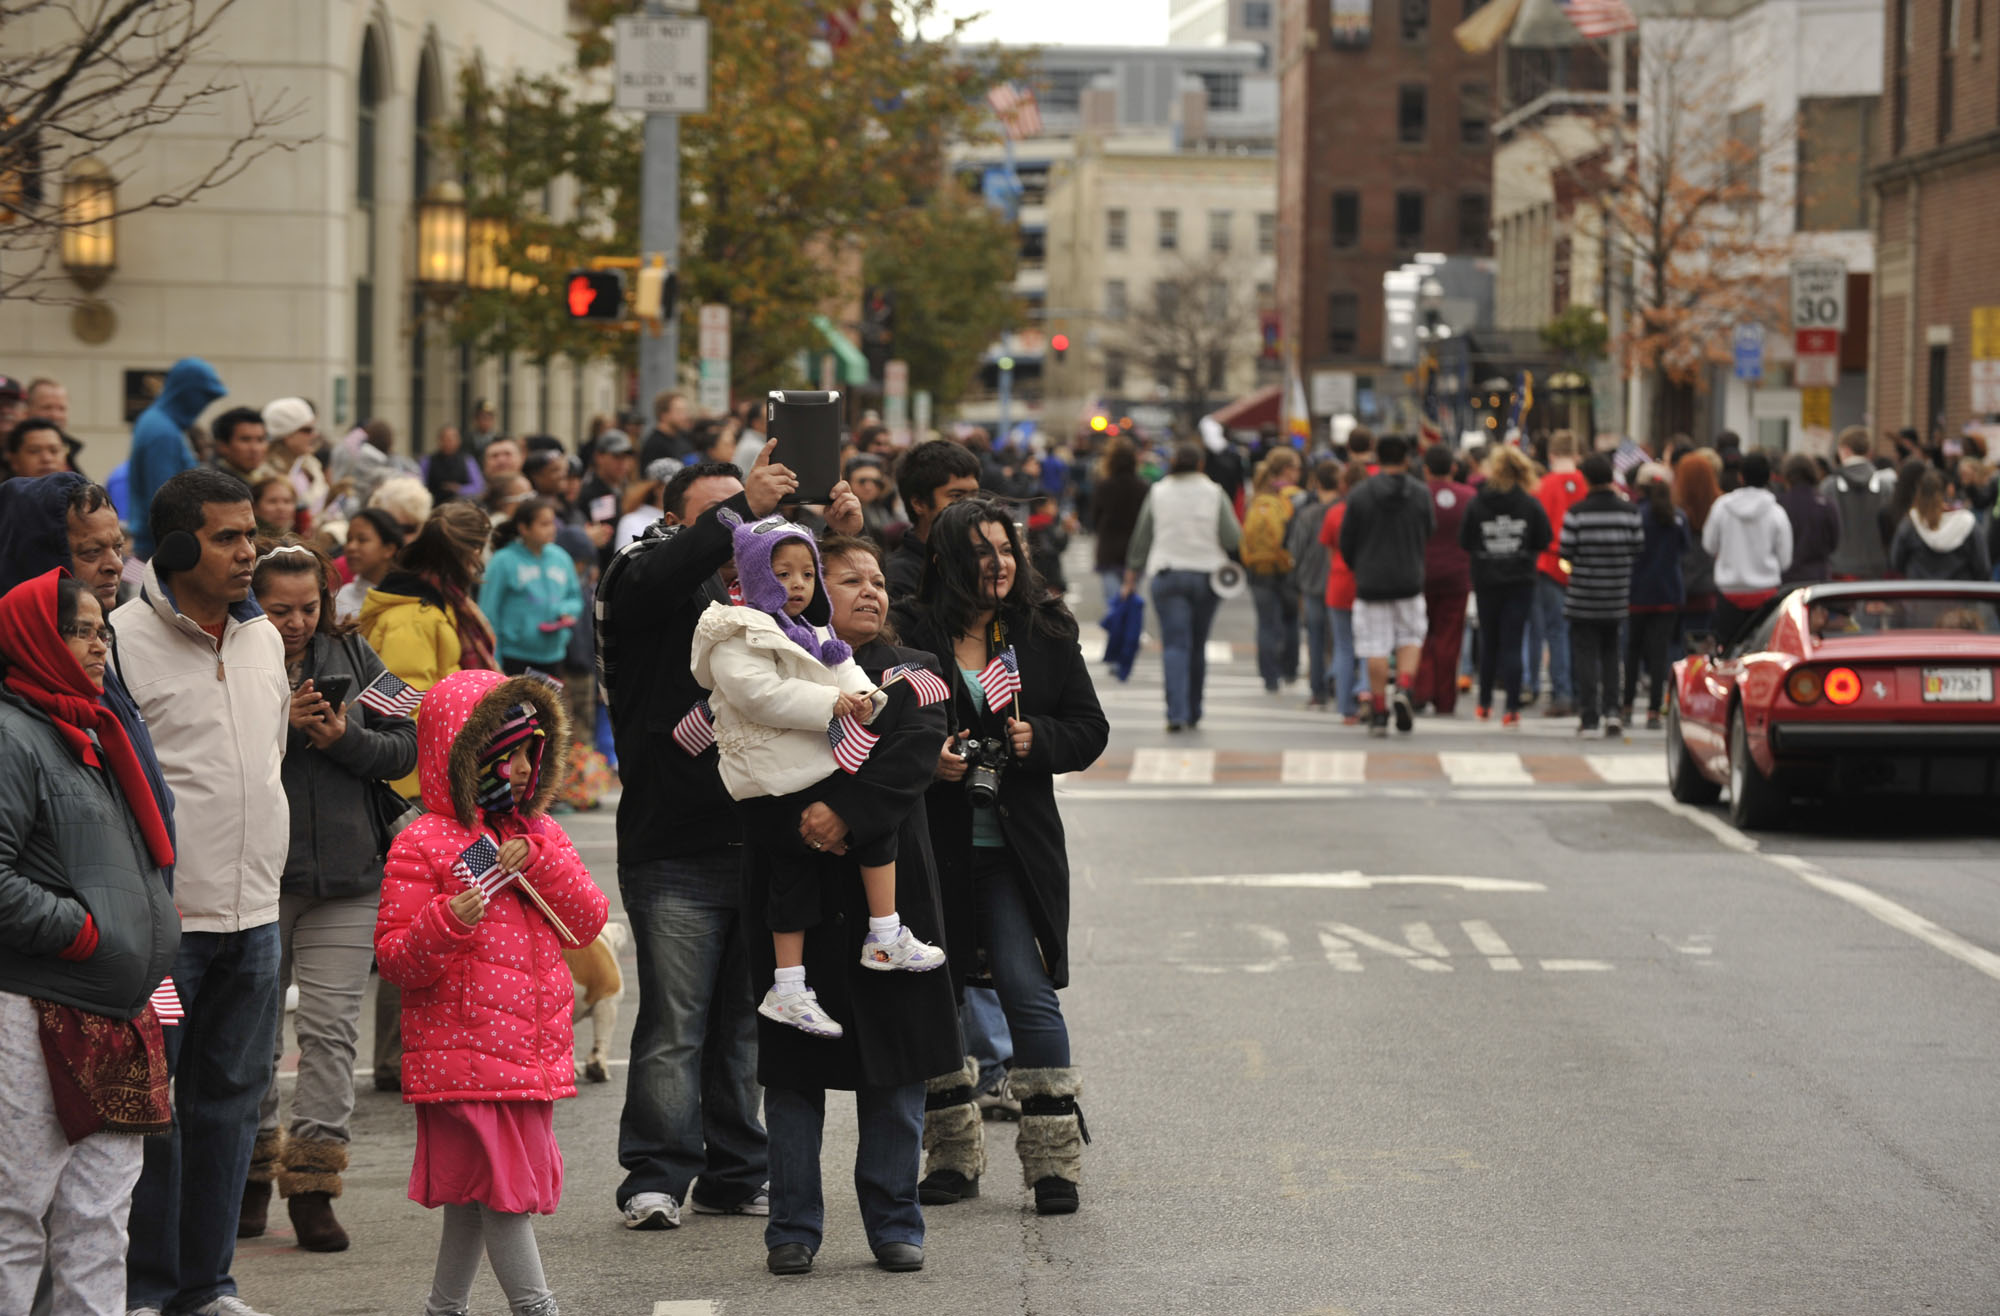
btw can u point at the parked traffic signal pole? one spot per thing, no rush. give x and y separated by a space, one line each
660 230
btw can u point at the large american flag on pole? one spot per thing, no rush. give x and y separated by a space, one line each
1599 18
851 742
1015 105
1001 679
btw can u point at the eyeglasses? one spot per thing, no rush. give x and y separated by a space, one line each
83 630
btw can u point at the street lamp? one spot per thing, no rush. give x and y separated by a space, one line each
89 237
441 239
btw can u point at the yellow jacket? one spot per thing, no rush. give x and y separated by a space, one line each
417 639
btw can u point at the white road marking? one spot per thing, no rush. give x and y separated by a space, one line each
1576 966
1346 881
695 1307
1349 932
1419 937
1490 944
1484 769
1900 917
1374 794
1339 954
1312 767
1218 652
1274 941
1628 769
1174 766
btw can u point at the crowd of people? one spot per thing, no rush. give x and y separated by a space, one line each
322 727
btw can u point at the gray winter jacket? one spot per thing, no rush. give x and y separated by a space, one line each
333 852
69 845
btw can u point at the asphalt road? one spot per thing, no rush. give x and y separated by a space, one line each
1466 1021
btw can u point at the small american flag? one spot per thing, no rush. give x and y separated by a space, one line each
736 593
167 1003
1002 678
1015 105
479 865
696 731
923 682
391 696
1599 18
851 742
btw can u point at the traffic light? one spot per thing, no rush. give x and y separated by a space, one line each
1060 343
1100 423
594 295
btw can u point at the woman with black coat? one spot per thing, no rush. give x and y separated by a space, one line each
900 1028
1659 590
1004 867
1504 530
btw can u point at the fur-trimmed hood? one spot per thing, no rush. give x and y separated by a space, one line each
460 716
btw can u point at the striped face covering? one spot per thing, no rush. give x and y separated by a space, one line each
521 726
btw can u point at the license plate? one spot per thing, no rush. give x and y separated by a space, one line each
1958 685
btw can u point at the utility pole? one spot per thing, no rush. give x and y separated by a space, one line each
660 230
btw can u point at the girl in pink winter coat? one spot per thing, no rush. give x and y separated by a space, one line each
481 896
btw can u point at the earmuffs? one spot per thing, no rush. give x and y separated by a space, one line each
176 552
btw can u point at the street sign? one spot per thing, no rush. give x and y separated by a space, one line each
713 328
896 401
1333 392
1986 333
1819 295
1816 361
1816 408
920 407
1985 387
1749 344
661 65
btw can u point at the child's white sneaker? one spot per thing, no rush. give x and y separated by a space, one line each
800 1010
900 951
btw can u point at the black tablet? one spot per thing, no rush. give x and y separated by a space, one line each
807 428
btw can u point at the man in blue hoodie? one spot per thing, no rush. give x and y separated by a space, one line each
63 520
160 448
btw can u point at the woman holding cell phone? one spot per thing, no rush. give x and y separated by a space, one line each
339 744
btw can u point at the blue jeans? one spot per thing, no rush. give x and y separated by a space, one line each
1186 608
691 1093
886 1164
1547 627
986 1037
1319 645
191 1191
1027 993
1277 606
1346 664
1113 580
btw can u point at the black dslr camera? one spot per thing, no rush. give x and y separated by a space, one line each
984 761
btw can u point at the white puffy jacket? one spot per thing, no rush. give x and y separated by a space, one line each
771 701
219 716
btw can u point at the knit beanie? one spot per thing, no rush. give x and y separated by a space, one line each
287 416
755 543
520 725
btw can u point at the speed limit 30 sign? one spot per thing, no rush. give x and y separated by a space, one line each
1819 295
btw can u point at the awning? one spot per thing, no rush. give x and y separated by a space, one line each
1481 32
1252 410
853 365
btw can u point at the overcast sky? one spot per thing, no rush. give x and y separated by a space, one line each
1066 22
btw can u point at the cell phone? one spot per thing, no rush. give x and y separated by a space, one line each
336 689
806 425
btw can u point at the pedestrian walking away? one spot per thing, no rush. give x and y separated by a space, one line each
1815 518
1447 585
481 896
1186 529
1937 541
1860 490
1601 538
1266 527
1504 533
1659 589
1312 563
1548 627
1384 537
1750 537
1115 499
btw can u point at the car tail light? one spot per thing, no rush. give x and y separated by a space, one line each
1843 686
1803 685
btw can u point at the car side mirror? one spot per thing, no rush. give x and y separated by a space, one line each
1702 642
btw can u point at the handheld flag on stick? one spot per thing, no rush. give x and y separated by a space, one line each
479 866
851 742
391 696
696 731
1001 678
923 682
167 1003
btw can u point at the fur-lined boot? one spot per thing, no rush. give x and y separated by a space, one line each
1052 1136
255 1214
309 1182
954 1139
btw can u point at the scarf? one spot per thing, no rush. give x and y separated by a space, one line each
107 1075
475 633
496 790
42 670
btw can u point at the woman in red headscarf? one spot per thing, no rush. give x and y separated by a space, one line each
87 933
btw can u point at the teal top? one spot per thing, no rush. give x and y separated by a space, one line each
986 833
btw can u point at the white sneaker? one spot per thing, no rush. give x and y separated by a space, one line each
759 1203
903 951
800 1010
652 1211
227 1305
143 1311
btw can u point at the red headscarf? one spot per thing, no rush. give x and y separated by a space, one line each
42 670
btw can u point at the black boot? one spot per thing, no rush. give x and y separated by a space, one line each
1052 1137
954 1139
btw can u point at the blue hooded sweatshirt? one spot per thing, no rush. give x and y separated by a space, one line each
34 540
160 448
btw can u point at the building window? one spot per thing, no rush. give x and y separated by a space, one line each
368 95
1416 19
1346 219
1225 90
1166 299
1350 23
1940 370
1474 224
1834 138
1743 165
1343 323
1114 371
1267 232
1412 113
1115 307
1218 299
1257 15
1267 296
1218 230
1062 89
1947 58
1218 371
1409 220
1475 112
1114 230
1170 230
1164 370
1899 90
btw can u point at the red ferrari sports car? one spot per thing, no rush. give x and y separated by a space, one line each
1842 689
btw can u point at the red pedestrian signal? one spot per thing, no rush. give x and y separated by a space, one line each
1061 345
594 295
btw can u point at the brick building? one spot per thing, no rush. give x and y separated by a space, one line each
1938 189
1384 151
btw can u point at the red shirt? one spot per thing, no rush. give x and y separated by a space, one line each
1447 567
1339 577
1557 493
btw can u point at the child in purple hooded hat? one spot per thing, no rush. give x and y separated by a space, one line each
790 709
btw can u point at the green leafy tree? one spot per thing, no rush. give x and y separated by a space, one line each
950 265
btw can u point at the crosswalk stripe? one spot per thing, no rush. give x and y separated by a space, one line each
1484 769
1627 769
1317 767
1172 766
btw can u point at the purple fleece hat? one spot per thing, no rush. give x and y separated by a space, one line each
755 543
